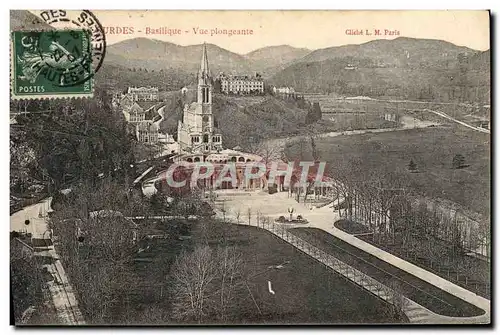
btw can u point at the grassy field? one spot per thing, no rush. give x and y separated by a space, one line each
332 105
306 291
432 149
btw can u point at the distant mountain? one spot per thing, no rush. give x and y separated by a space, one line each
275 57
23 19
117 78
481 61
403 68
399 52
156 55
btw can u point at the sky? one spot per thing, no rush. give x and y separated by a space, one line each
304 29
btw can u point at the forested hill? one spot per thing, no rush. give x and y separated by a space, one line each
401 68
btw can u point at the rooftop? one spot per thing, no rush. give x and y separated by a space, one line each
145 88
146 105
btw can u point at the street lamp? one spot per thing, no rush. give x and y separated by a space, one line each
290 210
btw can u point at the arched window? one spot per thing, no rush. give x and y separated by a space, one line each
205 94
233 159
249 160
241 159
190 160
197 159
205 138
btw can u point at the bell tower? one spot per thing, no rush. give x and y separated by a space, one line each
197 128
205 94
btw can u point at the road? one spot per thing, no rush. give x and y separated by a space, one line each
446 116
407 121
36 213
63 296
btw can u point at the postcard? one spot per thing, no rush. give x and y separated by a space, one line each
250 167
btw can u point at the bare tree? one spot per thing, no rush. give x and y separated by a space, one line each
259 215
238 215
266 149
249 215
206 283
193 274
230 267
97 241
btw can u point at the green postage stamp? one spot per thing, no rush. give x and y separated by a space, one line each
51 64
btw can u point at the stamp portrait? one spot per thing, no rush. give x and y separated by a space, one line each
51 64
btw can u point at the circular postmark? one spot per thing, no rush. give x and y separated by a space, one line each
83 58
65 54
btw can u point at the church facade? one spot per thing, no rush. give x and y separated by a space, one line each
196 134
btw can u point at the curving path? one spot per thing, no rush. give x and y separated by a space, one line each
446 116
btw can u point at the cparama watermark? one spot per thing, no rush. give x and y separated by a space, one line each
180 174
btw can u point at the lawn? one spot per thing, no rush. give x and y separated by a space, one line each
432 150
410 286
306 291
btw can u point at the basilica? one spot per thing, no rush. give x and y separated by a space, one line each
198 139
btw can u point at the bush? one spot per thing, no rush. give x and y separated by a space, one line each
272 188
412 166
458 161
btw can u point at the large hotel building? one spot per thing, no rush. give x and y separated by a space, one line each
143 93
241 84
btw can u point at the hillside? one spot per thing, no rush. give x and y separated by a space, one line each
402 68
274 58
243 121
156 55
473 77
400 52
118 78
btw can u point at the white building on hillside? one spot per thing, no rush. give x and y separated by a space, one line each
143 93
241 84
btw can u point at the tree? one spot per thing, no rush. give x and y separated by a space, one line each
81 138
412 166
458 161
267 149
314 113
314 149
193 274
249 215
217 86
205 283
97 241
230 271
25 281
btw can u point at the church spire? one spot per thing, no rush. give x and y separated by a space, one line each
204 73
